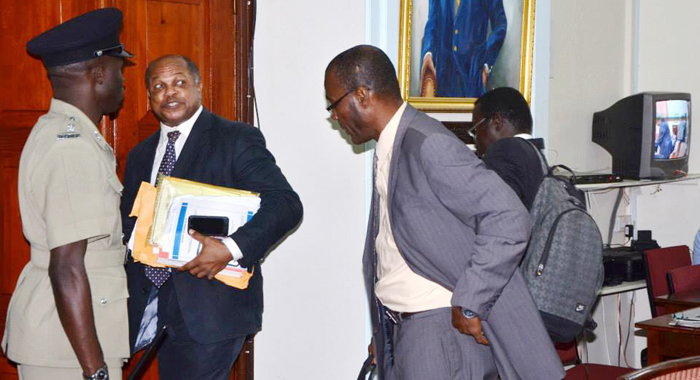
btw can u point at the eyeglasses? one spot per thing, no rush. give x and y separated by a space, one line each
472 130
335 104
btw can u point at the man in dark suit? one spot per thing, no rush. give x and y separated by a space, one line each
444 240
461 43
501 129
207 321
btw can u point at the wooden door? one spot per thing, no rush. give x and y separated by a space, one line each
215 34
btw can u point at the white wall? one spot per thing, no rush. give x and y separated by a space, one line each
314 320
669 54
587 71
667 60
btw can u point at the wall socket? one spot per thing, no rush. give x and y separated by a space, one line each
621 221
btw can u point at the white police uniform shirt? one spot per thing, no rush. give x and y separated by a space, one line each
68 191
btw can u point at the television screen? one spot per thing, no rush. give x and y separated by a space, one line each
671 129
647 134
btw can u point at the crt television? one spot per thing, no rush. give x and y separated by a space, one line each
647 134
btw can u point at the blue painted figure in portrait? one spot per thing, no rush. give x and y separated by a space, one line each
664 143
458 50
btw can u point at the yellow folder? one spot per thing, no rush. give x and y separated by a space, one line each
151 208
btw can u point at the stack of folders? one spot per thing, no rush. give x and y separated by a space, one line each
161 236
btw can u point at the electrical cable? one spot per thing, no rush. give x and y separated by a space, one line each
621 245
611 227
251 67
629 328
585 350
619 328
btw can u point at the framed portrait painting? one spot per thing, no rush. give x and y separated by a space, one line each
453 51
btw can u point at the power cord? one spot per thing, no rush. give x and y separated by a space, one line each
619 327
629 327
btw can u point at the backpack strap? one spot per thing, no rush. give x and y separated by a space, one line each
546 170
543 160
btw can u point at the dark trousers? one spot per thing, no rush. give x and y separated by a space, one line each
180 356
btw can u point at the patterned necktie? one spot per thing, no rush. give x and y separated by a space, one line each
159 275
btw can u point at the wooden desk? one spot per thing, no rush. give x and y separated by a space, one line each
676 302
666 342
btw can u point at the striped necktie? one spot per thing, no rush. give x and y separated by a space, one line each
159 275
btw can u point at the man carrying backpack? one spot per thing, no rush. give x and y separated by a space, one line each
562 265
502 126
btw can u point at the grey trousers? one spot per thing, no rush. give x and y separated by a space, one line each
426 346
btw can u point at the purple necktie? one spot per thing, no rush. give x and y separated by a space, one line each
159 275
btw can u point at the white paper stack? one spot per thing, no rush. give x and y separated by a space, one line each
688 321
175 247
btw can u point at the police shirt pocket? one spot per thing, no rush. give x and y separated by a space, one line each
109 300
109 295
108 290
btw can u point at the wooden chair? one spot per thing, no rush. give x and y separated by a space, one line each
657 263
679 369
584 371
684 279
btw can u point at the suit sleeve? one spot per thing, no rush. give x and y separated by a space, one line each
128 196
500 158
430 36
482 201
499 26
254 169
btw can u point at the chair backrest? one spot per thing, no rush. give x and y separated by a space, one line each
567 352
679 369
657 263
684 279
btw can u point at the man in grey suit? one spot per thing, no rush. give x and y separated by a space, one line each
444 240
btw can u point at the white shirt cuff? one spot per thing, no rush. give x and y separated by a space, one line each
233 248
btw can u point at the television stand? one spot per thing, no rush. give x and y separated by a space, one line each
634 182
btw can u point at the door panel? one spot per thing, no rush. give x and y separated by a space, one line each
215 34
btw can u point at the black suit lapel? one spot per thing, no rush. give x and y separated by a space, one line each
146 168
193 146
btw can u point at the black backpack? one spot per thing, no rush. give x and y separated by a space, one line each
563 263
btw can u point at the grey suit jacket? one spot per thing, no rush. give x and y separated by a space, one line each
458 224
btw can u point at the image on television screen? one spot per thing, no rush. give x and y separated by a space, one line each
671 132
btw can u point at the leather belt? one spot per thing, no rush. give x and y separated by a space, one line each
397 317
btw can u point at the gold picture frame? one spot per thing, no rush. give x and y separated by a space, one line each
512 68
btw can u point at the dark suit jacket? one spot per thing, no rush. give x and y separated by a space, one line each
518 164
459 225
223 153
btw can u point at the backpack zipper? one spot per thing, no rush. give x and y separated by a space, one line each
550 238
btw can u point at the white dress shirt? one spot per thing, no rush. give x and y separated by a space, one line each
398 287
525 136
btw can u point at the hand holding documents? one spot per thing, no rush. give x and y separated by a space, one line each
161 236
212 258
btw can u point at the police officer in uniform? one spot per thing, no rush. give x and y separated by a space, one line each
67 318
